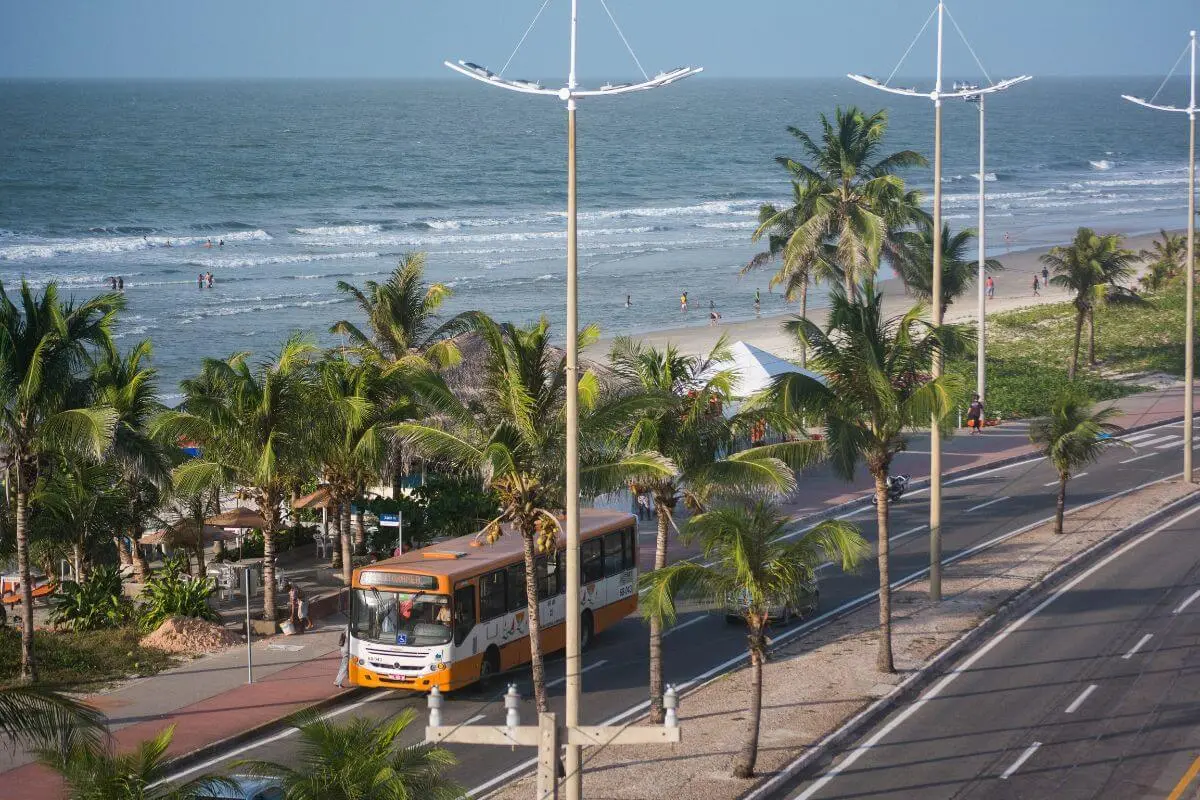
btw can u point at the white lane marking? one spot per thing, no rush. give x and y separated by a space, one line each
908 532
1073 477
1136 437
1141 643
988 503
1138 458
499 780
677 628
283 734
475 719
1021 759
1071 709
1169 445
588 668
1191 598
935 690
1160 440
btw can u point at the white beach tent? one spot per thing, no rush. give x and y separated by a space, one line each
758 368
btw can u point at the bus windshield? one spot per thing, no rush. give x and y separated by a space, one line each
416 619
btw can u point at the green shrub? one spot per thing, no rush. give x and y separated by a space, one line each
171 593
95 604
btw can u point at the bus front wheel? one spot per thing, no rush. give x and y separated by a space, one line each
489 667
587 631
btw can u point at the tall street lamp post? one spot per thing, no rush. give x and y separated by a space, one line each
1189 366
570 94
935 434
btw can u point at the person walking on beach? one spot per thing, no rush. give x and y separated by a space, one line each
991 287
1036 284
683 302
1045 278
344 667
975 415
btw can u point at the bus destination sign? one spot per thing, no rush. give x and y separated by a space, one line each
406 580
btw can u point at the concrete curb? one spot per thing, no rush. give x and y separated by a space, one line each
217 748
782 783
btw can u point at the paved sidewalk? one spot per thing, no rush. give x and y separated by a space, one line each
209 701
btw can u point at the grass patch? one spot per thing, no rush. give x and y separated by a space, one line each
82 661
1028 352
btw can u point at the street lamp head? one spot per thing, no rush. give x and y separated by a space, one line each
566 93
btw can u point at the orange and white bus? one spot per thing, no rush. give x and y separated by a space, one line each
454 613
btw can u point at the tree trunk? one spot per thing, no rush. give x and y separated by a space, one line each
77 562
743 764
201 568
28 667
1075 352
661 509
124 559
360 533
1092 337
270 513
343 527
141 570
803 315
848 282
535 624
1061 508
884 660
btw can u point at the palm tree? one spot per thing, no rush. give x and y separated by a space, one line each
362 401
875 387
1085 267
256 430
753 555
35 716
690 427
128 386
513 436
402 317
44 405
913 262
798 273
95 771
362 758
1073 436
80 504
845 197
1165 259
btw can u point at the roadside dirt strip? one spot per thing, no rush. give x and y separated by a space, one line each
821 688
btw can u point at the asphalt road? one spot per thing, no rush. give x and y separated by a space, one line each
1093 694
976 509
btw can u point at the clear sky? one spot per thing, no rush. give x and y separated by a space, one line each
730 38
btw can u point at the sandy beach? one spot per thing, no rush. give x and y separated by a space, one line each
1014 290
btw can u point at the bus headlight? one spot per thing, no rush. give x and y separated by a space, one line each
441 665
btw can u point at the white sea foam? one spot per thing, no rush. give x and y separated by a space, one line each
987 177
231 311
1102 164
711 208
259 261
101 245
339 230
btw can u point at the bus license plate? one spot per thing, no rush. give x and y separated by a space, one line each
396 676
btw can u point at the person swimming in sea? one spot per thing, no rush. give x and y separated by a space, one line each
120 284
628 300
200 281
112 283
210 280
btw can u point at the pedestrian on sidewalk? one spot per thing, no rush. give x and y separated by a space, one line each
344 667
297 608
975 415
1036 284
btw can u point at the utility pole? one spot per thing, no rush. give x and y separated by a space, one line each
569 94
548 735
1189 358
935 433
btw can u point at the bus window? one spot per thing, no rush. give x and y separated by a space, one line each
592 560
516 586
491 595
547 577
464 612
631 548
613 547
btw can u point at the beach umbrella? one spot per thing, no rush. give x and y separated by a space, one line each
239 517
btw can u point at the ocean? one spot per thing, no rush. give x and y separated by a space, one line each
309 183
